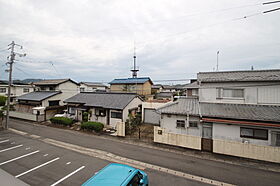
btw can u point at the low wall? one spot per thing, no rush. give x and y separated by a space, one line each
182 140
258 152
21 115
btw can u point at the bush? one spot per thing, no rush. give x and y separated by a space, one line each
62 121
90 125
3 100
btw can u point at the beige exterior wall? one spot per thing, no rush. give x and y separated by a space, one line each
141 89
234 148
181 140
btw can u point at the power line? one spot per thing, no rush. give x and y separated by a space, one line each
271 2
272 10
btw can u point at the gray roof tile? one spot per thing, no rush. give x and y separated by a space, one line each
104 100
182 106
252 75
241 111
38 96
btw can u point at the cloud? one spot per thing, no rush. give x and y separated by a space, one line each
94 40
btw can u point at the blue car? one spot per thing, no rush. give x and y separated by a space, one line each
116 174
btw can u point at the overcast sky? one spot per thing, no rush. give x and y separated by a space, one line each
94 40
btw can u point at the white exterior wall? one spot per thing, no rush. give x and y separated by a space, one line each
133 104
68 90
91 89
232 133
254 93
169 124
16 90
101 119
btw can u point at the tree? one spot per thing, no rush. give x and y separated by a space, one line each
3 100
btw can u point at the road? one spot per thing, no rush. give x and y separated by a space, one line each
54 171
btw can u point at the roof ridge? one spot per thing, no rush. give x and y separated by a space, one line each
231 71
256 105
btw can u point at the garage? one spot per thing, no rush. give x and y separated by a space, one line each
151 117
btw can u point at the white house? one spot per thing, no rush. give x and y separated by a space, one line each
237 113
49 94
107 108
92 87
17 89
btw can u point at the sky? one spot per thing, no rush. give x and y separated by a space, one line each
95 40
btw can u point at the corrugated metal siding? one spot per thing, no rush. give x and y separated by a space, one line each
269 95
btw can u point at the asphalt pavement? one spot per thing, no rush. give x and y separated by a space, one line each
219 171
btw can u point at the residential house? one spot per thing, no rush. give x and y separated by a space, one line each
50 95
237 113
157 88
92 87
17 89
164 96
107 108
191 89
141 86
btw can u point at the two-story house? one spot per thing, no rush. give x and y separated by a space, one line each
236 113
140 86
49 96
17 89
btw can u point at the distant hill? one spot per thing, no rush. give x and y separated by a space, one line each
30 80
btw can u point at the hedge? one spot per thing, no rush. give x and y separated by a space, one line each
90 125
62 121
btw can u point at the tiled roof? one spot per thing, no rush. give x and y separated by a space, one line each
241 111
38 96
53 81
252 75
104 100
182 106
164 95
191 85
131 81
222 110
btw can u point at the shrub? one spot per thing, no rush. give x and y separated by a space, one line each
90 125
62 121
85 116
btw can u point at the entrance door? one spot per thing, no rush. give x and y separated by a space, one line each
207 141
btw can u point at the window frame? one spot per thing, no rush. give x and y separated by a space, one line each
220 93
114 114
193 122
180 123
26 90
254 135
54 101
100 112
1 90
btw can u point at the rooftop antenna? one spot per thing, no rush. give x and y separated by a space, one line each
134 70
217 69
252 67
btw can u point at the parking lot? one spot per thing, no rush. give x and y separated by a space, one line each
37 163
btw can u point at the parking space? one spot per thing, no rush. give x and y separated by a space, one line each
37 163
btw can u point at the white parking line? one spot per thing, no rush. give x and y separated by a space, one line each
4 141
68 163
39 166
14 159
46 155
11 148
64 178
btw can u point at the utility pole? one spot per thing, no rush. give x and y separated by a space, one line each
12 58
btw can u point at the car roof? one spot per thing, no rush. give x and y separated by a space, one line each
112 174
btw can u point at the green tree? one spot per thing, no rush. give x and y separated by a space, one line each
3 100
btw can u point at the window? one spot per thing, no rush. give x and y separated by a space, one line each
25 89
54 103
193 124
254 133
51 88
116 115
82 89
2 90
135 181
180 124
275 138
230 93
100 112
